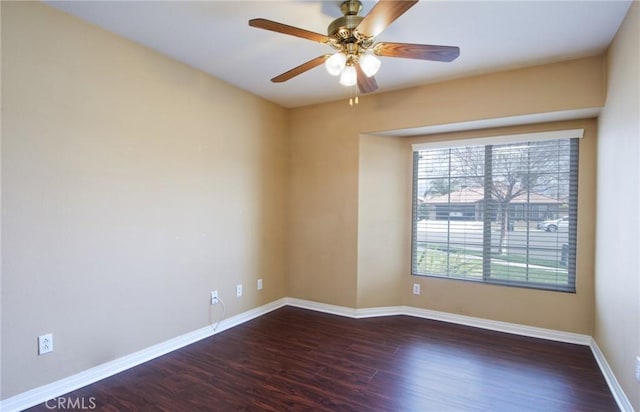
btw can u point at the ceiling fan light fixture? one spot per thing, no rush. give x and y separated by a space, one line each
370 64
335 64
349 76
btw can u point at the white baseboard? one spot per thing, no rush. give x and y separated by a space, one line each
498 326
507 327
55 389
344 311
250 314
322 307
621 398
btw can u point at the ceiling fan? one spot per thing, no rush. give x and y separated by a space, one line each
353 37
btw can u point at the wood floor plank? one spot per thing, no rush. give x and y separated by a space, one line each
298 360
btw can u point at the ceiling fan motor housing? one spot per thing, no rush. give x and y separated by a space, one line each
341 29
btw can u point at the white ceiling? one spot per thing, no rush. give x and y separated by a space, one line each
214 36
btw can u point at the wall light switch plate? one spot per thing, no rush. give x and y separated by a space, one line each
259 284
45 344
416 288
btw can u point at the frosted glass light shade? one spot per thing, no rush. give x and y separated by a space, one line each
335 64
370 64
349 76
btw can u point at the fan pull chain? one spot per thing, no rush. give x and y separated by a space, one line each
354 100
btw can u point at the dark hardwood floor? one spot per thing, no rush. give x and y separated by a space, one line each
298 360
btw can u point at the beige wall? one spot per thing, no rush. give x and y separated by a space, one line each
325 165
387 177
617 303
384 225
132 186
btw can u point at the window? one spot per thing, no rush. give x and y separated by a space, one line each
499 210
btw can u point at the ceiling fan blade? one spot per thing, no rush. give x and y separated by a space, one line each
365 84
382 15
417 51
300 69
286 29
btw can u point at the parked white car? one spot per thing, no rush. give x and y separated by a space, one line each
555 225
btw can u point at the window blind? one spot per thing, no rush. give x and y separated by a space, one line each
504 212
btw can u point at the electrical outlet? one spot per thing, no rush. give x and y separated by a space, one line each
638 368
259 284
416 288
239 290
214 297
45 343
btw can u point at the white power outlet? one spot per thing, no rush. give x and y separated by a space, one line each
416 288
214 297
259 284
239 290
638 368
45 343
